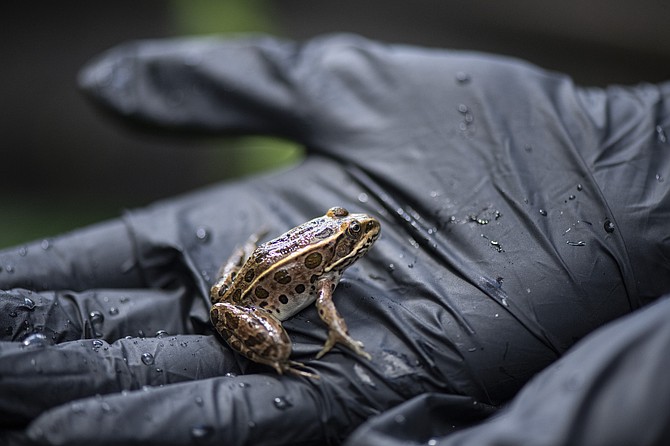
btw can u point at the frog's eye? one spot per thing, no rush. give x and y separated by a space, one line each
354 227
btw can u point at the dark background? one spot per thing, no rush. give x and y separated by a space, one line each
64 165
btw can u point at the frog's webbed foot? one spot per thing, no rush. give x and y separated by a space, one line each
293 367
337 337
337 328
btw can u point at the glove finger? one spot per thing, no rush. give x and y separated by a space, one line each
250 409
615 380
255 85
37 377
55 317
208 84
99 256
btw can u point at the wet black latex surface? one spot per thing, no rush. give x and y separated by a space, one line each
519 213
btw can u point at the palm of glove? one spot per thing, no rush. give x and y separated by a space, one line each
484 187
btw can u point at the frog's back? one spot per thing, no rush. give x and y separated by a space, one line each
280 276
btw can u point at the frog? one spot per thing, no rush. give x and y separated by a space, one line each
262 285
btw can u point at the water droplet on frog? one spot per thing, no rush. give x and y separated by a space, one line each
472 349
543 212
96 317
46 244
9 268
496 315
199 401
97 343
580 187
281 403
661 135
202 234
106 408
244 385
13 314
571 197
432 442
28 304
201 431
140 334
363 197
147 358
462 77
462 108
23 251
659 178
35 340
609 226
230 375
503 301
113 311
391 267
578 243
161 334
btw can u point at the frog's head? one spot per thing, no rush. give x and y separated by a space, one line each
355 234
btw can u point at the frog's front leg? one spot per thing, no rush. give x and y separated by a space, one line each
337 328
229 269
256 334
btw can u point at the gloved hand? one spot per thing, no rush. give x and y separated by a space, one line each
519 213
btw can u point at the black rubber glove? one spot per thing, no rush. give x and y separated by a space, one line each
612 389
518 212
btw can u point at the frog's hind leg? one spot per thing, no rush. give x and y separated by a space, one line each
229 269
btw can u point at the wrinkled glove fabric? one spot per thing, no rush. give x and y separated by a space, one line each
519 214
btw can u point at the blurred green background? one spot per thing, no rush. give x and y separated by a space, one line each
63 165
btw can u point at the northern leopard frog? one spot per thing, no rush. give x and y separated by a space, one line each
261 286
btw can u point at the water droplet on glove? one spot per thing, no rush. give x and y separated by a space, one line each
147 358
